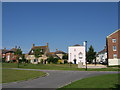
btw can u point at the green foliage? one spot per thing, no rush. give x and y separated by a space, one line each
18 52
37 52
91 55
65 61
41 61
23 58
55 60
52 59
65 56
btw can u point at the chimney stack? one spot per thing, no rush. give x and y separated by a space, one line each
16 47
33 45
47 44
4 48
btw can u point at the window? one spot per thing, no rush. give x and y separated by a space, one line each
114 40
32 51
114 48
75 56
114 55
80 55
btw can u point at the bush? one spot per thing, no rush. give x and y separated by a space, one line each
41 61
65 61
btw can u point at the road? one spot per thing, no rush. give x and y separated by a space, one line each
54 79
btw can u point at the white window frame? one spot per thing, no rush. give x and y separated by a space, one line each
114 40
114 55
114 48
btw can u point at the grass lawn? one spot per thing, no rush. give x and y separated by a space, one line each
10 75
55 67
102 81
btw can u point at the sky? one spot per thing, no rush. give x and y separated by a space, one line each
60 24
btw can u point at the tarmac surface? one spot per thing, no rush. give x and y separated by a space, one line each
54 78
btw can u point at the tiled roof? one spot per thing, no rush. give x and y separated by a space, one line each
44 49
113 33
59 52
102 51
77 45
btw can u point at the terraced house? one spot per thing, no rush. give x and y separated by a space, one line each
113 48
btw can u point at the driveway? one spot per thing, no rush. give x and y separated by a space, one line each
54 79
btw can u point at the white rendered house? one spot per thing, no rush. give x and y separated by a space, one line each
77 54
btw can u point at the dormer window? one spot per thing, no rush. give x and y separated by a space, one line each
32 51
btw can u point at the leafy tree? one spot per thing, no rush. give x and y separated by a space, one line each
23 58
55 60
65 56
18 53
91 54
50 59
37 53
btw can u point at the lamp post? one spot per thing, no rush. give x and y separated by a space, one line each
70 60
86 53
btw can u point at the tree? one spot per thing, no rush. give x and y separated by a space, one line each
91 55
65 56
18 53
50 59
37 53
23 58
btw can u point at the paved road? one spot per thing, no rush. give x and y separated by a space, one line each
54 79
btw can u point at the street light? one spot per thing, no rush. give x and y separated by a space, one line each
86 53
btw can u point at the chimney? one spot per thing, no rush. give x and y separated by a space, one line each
33 45
56 49
47 44
15 46
4 48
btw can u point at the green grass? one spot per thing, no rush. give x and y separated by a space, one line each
55 67
102 81
10 75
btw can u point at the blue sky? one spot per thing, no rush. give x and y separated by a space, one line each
59 24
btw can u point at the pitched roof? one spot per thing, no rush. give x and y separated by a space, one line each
113 33
59 52
77 45
44 49
102 51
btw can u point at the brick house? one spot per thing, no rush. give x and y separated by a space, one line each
113 48
8 55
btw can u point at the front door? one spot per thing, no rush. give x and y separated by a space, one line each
74 61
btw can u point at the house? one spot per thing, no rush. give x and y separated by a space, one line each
77 54
44 50
9 55
113 48
102 56
59 53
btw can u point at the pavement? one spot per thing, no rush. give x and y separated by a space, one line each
54 78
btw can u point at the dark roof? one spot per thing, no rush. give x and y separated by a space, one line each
77 45
4 51
60 52
102 51
44 49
